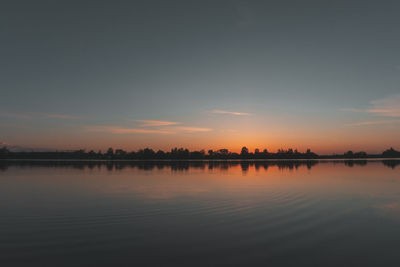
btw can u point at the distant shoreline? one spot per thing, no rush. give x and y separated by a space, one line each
184 154
201 160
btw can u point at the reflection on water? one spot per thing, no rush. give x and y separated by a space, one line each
198 213
185 165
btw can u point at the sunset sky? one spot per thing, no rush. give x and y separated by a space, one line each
321 74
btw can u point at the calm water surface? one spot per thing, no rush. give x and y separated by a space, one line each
322 213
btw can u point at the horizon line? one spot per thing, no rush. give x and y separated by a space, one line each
19 149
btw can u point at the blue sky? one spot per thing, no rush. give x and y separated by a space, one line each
322 74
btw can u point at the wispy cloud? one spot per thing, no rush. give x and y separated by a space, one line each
366 123
385 107
124 130
218 111
353 110
389 107
151 123
163 126
192 129
129 130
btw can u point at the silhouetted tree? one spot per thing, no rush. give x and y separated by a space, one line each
110 153
244 153
360 154
391 153
223 151
160 154
120 154
348 154
146 153
197 154
92 155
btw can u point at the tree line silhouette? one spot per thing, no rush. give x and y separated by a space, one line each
185 154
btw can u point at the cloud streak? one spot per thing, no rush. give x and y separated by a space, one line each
366 123
123 130
389 107
152 123
235 113
192 129
129 130
353 110
385 107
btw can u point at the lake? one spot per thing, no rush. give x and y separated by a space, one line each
260 213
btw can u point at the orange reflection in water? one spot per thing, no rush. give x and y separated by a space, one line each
163 180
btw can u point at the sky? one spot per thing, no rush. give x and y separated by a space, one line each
323 75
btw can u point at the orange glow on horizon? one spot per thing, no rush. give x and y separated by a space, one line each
334 141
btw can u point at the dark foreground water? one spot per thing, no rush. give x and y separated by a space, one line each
343 213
